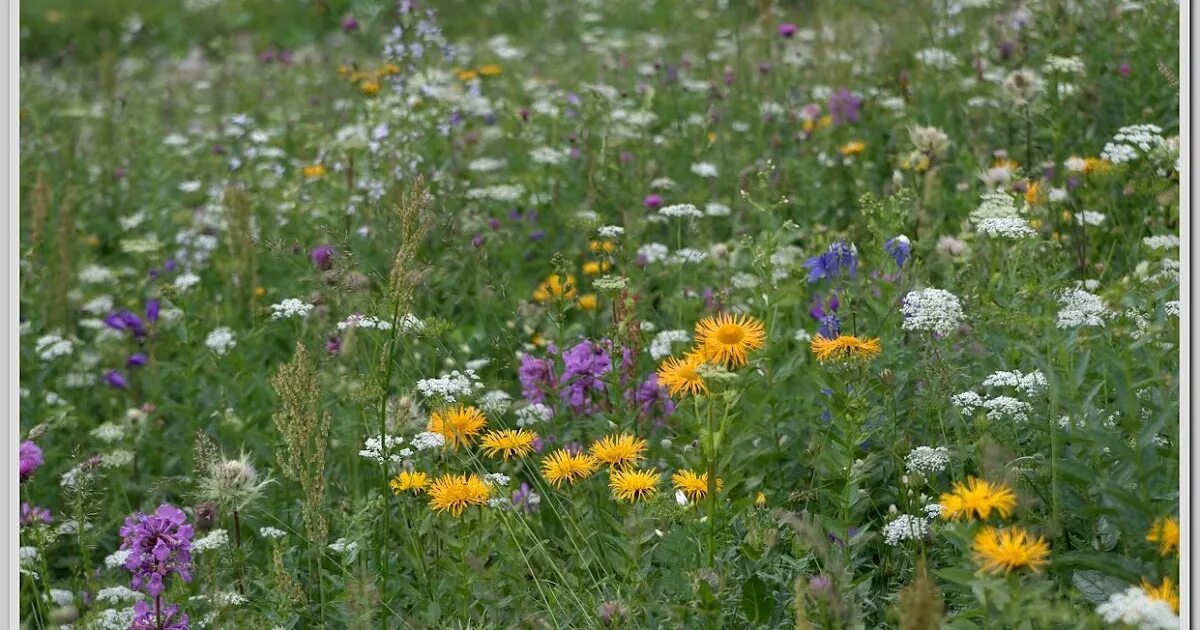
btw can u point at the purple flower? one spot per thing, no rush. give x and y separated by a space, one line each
899 248
30 459
333 345
843 107
537 378
322 256
653 202
839 260
158 618
1125 69
33 515
115 380
787 30
478 241
125 320
584 363
537 235
137 359
524 499
831 326
349 24
650 395
159 544
152 309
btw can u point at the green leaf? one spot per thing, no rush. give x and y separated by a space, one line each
756 601
1096 586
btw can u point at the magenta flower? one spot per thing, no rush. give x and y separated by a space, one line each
32 515
30 459
159 544
787 30
653 202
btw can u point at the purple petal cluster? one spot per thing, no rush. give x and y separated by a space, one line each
838 261
30 459
537 378
826 315
157 618
843 107
585 363
652 399
33 515
159 544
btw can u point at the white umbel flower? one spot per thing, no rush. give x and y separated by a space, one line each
1010 228
660 346
1080 308
290 308
927 460
906 527
931 310
220 340
1134 607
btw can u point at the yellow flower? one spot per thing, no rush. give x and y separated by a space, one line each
458 425
457 492
508 443
314 171
344 70
389 69
854 147
406 481
619 451
728 338
1096 165
466 75
1006 163
633 485
808 125
537 340
563 465
1164 592
359 75
824 121
693 486
680 377
597 247
592 268
760 500
370 88
555 287
1031 194
489 70
1165 532
844 348
587 302
977 499
1002 550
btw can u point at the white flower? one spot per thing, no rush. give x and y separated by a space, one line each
1075 164
932 510
967 402
744 281
272 533
216 539
485 165
1030 384
714 209
1065 65
450 387
1080 308
343 546
410 323
905 527
426 440
99 304
533 414
1087 217
936 58
653 252
116 459
113 619
687 255
1171 308
548 156
1002 407
95 274
704 169
610 231
1013 228
289 308
995 205
932 310
117 558
927 460
387 449
498 480
364 321
660 346
503 193
1021 86
185 281
1161 241
495 402
118 594
220 340
685 210
50 347
802 336
1132 142
1134 607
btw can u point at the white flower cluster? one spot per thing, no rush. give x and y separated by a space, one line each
289 308
385 449
1065 65
932 510
548 156
498 480
1002 407
220 340
364 321
932 310
410 323
113 619
687 255
660 346
1161 241
485 165
936 58
1135 608
927 460
118 594
216 539
967 402
1088 217
905 527
995 205
684 210
1010 228
50 347
1030 384
450 387
117 558
706 170
610 231
533 414
1080 308
504 193
714 209
1131 142
653 252
427 439
344 546
495 402
273 533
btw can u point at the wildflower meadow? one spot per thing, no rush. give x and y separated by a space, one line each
838 314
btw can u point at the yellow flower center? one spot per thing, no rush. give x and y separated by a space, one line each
730 334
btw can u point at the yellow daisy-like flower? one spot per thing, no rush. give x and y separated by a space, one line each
314 171
619 451
563 465
459 425
1165 592
587 302
458 492
693 486
592 267
597 247
466 75
1031 194
854 147
1096 165
681 377
489 70
389 69
508 443
633 485
977 499
760 500
1003 550
844 348
369 88
414 482
1165 532
728 338
555 287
